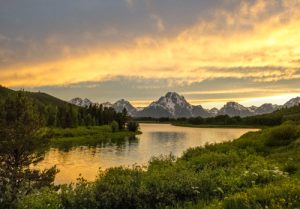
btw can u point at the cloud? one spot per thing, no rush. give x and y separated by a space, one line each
255 41
129 2
158 22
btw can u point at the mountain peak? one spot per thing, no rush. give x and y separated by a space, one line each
81 102
293 102
172 105
234 109
172 94
121 104
122 101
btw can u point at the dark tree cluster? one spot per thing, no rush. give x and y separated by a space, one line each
22 143
70 116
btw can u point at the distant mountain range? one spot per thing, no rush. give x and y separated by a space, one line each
173 105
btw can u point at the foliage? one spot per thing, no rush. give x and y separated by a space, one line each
282 135
133 126
87 136
284 194
21 144
41 199
118 188
78 196
114 126
57 113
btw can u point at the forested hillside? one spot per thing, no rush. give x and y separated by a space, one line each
54 112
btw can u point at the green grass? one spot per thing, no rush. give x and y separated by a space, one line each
216 126
87 136
259 170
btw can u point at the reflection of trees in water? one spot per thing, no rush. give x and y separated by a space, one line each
118 143
162 135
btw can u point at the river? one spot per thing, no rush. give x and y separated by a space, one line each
155 140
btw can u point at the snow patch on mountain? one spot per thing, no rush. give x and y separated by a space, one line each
121 104
293 102
81 102
173 105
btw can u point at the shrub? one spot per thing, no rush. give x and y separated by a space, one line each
42 199
78 196
281 135
133 126
290 168
118 188
114 126
283 195
166 183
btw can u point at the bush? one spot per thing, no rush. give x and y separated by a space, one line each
133 126
281 135
167 183
42 199
283 195
118 188
78 196
114 126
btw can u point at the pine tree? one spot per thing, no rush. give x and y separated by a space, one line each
21 144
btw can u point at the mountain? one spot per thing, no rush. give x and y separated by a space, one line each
293 102
214 112
81 102
235 109
172 105
107 104
266 108
118 106
199 111
121 104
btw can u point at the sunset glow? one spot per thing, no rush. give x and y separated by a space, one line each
257 43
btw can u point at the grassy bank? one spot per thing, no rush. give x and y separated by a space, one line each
90 136
258 170
216 126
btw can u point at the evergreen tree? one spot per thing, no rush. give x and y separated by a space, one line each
21 144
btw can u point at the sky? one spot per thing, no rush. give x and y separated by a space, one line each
210 51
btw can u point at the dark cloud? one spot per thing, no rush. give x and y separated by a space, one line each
41 29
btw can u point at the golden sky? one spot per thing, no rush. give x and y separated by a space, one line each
253 43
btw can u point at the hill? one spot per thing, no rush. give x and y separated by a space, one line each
40 97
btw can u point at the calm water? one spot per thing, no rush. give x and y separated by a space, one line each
157 139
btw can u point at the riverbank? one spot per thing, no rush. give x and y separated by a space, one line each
217 126
88 136
259 170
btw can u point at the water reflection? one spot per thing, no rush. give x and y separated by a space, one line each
67 146
167 136
156 139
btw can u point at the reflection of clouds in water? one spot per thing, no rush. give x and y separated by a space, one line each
166 142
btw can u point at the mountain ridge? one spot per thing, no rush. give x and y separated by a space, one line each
174 105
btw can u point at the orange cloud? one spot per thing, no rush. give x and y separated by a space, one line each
241 44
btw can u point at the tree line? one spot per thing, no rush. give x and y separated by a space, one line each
69 115
271 119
